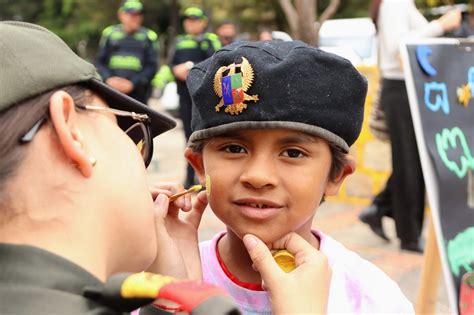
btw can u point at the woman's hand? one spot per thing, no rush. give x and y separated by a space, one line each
303 290
177 238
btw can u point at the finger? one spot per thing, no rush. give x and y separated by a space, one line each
293 243
174 188
155 192
184 202
160 207
262 259
198 208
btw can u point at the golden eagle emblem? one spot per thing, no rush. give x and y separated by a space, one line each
232 87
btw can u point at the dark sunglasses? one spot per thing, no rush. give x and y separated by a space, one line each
139 132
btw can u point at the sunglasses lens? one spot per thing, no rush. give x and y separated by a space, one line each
139 135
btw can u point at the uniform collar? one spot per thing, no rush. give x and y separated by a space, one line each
32 266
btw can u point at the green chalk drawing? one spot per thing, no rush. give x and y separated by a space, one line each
461 251
449 139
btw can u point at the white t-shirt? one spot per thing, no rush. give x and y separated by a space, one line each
357 286
399 20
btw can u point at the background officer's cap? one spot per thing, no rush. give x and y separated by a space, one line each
194 13
131 6
33 61
298 87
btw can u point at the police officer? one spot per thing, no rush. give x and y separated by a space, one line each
128 53
193 47
73 217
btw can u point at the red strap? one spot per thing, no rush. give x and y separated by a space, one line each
234 279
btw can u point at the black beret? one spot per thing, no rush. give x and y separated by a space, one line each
275 84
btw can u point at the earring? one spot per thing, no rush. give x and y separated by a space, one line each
93 161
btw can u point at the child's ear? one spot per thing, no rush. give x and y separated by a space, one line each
196 161
333 185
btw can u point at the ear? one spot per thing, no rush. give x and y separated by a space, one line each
64 120
332 187
120 16
196 161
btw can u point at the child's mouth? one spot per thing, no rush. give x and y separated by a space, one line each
255 205
257 209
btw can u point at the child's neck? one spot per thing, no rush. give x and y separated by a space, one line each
236 258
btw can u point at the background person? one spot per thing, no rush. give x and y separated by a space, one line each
191 48
128 53
398 20
227 32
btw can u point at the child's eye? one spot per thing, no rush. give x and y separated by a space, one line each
293 153
234 148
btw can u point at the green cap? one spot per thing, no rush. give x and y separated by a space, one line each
131 6
194 13
34 60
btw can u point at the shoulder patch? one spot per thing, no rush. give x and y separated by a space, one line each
211 36
108 30
152 35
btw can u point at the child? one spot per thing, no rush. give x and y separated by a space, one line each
272 125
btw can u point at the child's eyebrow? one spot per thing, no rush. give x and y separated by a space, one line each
300 138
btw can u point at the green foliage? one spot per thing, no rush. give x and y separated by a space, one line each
80 22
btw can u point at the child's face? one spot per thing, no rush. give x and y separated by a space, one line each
266 182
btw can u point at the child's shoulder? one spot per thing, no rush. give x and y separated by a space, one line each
361 279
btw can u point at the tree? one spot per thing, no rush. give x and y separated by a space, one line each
302 18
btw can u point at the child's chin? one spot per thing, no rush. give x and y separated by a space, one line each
265 234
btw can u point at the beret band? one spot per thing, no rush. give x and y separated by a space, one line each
275 84
242 125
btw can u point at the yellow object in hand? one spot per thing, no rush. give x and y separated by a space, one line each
285 260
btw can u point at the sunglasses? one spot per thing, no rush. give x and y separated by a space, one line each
139 132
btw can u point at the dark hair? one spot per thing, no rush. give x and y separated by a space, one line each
374 11
16 121
226 22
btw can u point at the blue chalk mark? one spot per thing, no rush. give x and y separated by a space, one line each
422 55
440 98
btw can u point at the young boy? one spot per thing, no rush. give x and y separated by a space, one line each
272 125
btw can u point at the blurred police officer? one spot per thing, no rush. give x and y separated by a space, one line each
128 53
193 47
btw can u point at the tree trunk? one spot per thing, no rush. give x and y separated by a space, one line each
291 17
302 15
326 15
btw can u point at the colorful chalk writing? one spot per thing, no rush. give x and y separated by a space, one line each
422 55
440 92
461 251
470 189
450 139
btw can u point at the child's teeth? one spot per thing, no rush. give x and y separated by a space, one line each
254 205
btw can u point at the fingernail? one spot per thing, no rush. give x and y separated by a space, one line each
250 241
160 200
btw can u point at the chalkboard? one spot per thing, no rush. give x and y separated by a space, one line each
439 76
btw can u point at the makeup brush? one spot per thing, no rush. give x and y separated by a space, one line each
191 189
194 188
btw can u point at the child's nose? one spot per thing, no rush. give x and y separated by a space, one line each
259 172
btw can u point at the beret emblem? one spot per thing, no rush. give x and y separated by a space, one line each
232 86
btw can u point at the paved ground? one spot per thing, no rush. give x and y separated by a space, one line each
337 219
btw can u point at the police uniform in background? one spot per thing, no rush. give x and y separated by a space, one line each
129 55
192 48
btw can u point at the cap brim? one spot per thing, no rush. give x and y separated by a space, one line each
193 17
133 11
159 122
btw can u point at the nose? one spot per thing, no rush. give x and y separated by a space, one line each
260 171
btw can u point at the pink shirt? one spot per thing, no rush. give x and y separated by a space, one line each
357 286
